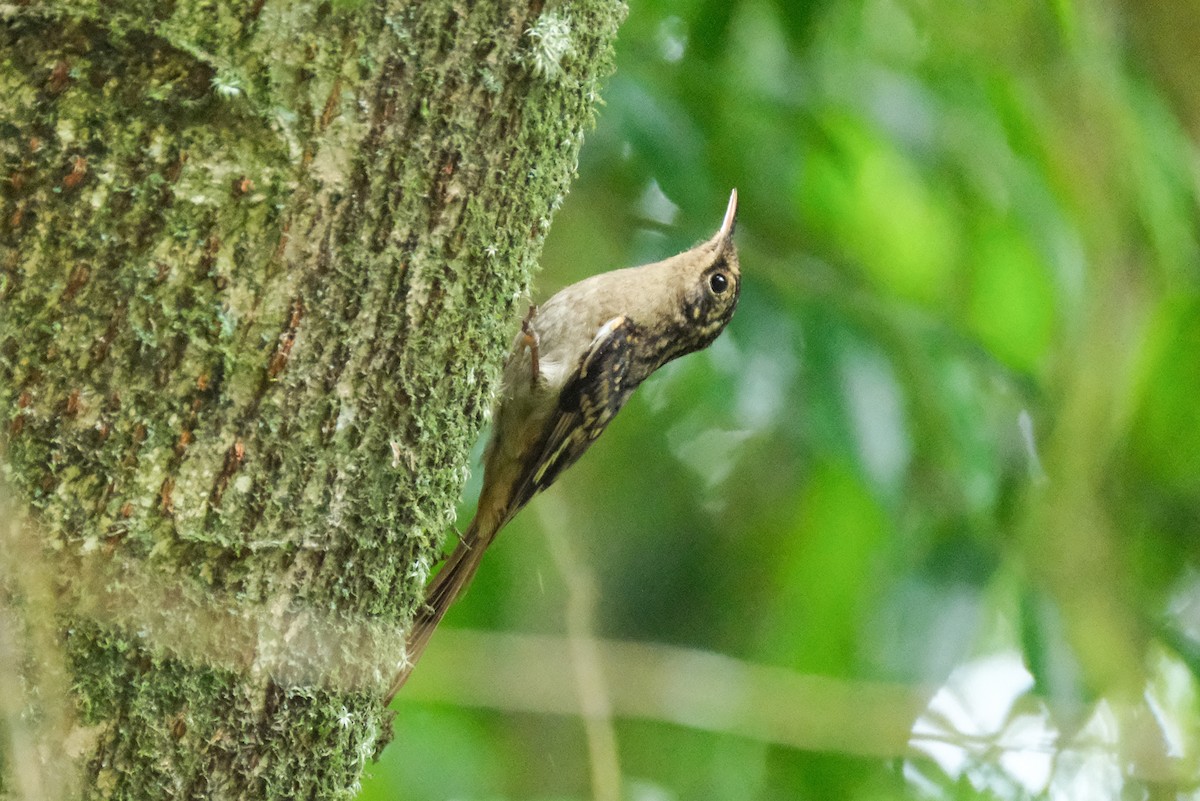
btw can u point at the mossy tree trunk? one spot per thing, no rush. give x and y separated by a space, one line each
260 264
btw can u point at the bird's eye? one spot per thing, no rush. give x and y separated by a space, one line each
718 282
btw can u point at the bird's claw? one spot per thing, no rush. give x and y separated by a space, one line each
532 341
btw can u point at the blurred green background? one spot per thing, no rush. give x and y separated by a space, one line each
923 523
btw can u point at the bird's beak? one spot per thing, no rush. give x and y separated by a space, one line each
730 220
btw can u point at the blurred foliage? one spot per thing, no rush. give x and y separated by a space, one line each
950 440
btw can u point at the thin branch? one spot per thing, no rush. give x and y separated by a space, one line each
586 662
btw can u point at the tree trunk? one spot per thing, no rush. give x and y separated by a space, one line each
260 265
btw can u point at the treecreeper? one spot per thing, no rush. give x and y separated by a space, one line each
577 359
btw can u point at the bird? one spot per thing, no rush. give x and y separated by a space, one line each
573 365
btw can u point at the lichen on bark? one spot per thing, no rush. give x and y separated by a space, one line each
259 264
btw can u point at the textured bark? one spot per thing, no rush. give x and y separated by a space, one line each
259 266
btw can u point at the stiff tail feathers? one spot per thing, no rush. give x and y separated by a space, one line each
446 586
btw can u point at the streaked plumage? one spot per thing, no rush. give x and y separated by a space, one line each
592 343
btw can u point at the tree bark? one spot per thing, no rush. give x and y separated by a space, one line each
260 263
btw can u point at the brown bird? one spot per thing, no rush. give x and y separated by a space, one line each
578 358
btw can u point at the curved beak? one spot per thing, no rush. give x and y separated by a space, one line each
727 225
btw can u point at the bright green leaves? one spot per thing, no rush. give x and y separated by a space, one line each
1011 301
826 570
880 213
907 233
1167 424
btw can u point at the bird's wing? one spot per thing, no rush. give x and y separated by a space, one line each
593 393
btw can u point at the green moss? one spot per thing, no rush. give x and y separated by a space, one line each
255 287
168 723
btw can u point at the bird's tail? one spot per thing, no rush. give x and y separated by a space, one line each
446 586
